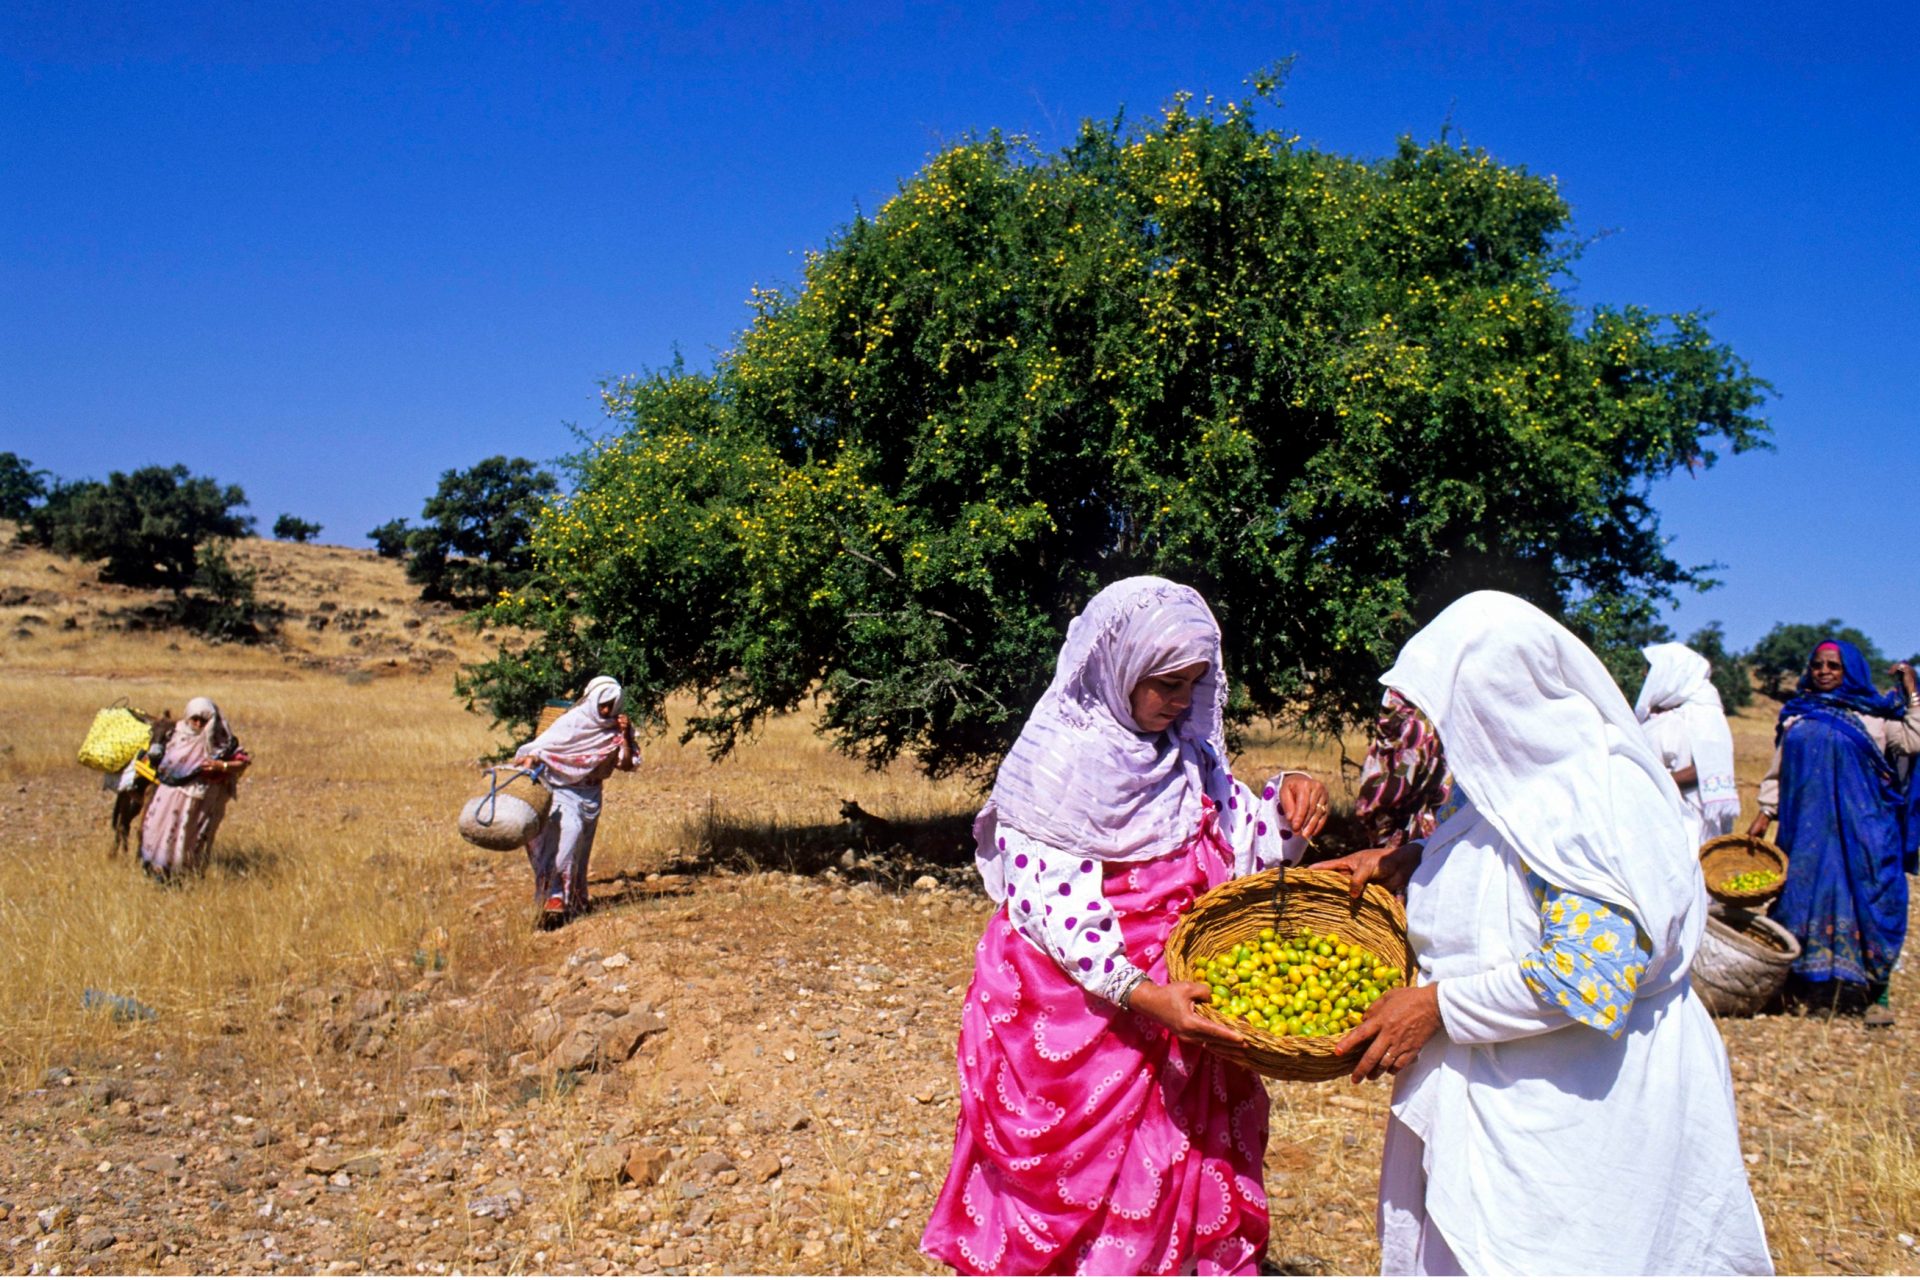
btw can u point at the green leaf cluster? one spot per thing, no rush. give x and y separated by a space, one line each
21 486
1330 393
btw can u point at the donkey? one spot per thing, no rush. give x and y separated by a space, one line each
129 804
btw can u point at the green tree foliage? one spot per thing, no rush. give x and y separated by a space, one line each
145 526
290 528
1332 394
222 604
1732 672
1780 659
474 543
390 539
20 487
1618 628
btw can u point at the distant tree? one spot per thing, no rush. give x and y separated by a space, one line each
390 539
1732 674
222 604
20 487
146 526
55 512
1781 656
474 543
293 529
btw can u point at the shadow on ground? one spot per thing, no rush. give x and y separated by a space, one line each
892 853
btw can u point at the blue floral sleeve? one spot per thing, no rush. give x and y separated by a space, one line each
1590 959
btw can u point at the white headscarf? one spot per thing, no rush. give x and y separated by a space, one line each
1684 722
1545 746
188 749
578 742
1083 776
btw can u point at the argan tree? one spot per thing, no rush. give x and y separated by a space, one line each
1330 393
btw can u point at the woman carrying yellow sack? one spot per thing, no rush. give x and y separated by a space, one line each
198 775
584 747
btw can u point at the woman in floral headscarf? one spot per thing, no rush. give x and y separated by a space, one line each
580 751
199 774
1845 825
1096 1133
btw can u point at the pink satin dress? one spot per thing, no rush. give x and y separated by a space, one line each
1090 1139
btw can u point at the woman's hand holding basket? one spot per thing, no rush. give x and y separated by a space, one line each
1398 1024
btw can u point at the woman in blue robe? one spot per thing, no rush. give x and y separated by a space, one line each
1844 824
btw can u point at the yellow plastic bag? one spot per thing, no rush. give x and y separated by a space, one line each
117 736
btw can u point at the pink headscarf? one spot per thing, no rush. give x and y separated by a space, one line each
1082 776
579 742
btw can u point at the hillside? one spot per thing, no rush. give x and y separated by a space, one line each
344 1049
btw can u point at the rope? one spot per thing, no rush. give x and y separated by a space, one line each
491 801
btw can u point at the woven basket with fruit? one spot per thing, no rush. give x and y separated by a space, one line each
1293 961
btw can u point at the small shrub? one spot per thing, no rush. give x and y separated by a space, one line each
289 528
222 604
390 539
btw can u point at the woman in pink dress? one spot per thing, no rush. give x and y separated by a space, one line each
199 774
1096 1134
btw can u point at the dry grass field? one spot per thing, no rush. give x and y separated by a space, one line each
347 1066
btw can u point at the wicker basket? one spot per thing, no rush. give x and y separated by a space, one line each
1742 963
552 711
1305 901
1724 857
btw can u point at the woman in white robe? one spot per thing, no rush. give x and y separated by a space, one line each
1527 1137
1680 712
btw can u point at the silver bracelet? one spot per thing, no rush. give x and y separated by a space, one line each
1126 993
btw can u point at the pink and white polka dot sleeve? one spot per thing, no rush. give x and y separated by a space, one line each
1056 902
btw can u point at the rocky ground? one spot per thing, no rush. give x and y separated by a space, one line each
728 1073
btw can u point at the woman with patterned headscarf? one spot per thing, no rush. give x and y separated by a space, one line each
199 774
1097 1134
1845 824
1563 1102
581 750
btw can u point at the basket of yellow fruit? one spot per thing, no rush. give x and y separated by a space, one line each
1743 871
1293 962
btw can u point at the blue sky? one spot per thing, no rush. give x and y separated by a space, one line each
326 251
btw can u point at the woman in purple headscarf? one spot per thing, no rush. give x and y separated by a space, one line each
1096 1133
1844 824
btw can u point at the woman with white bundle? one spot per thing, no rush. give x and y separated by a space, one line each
1679 711
582 748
